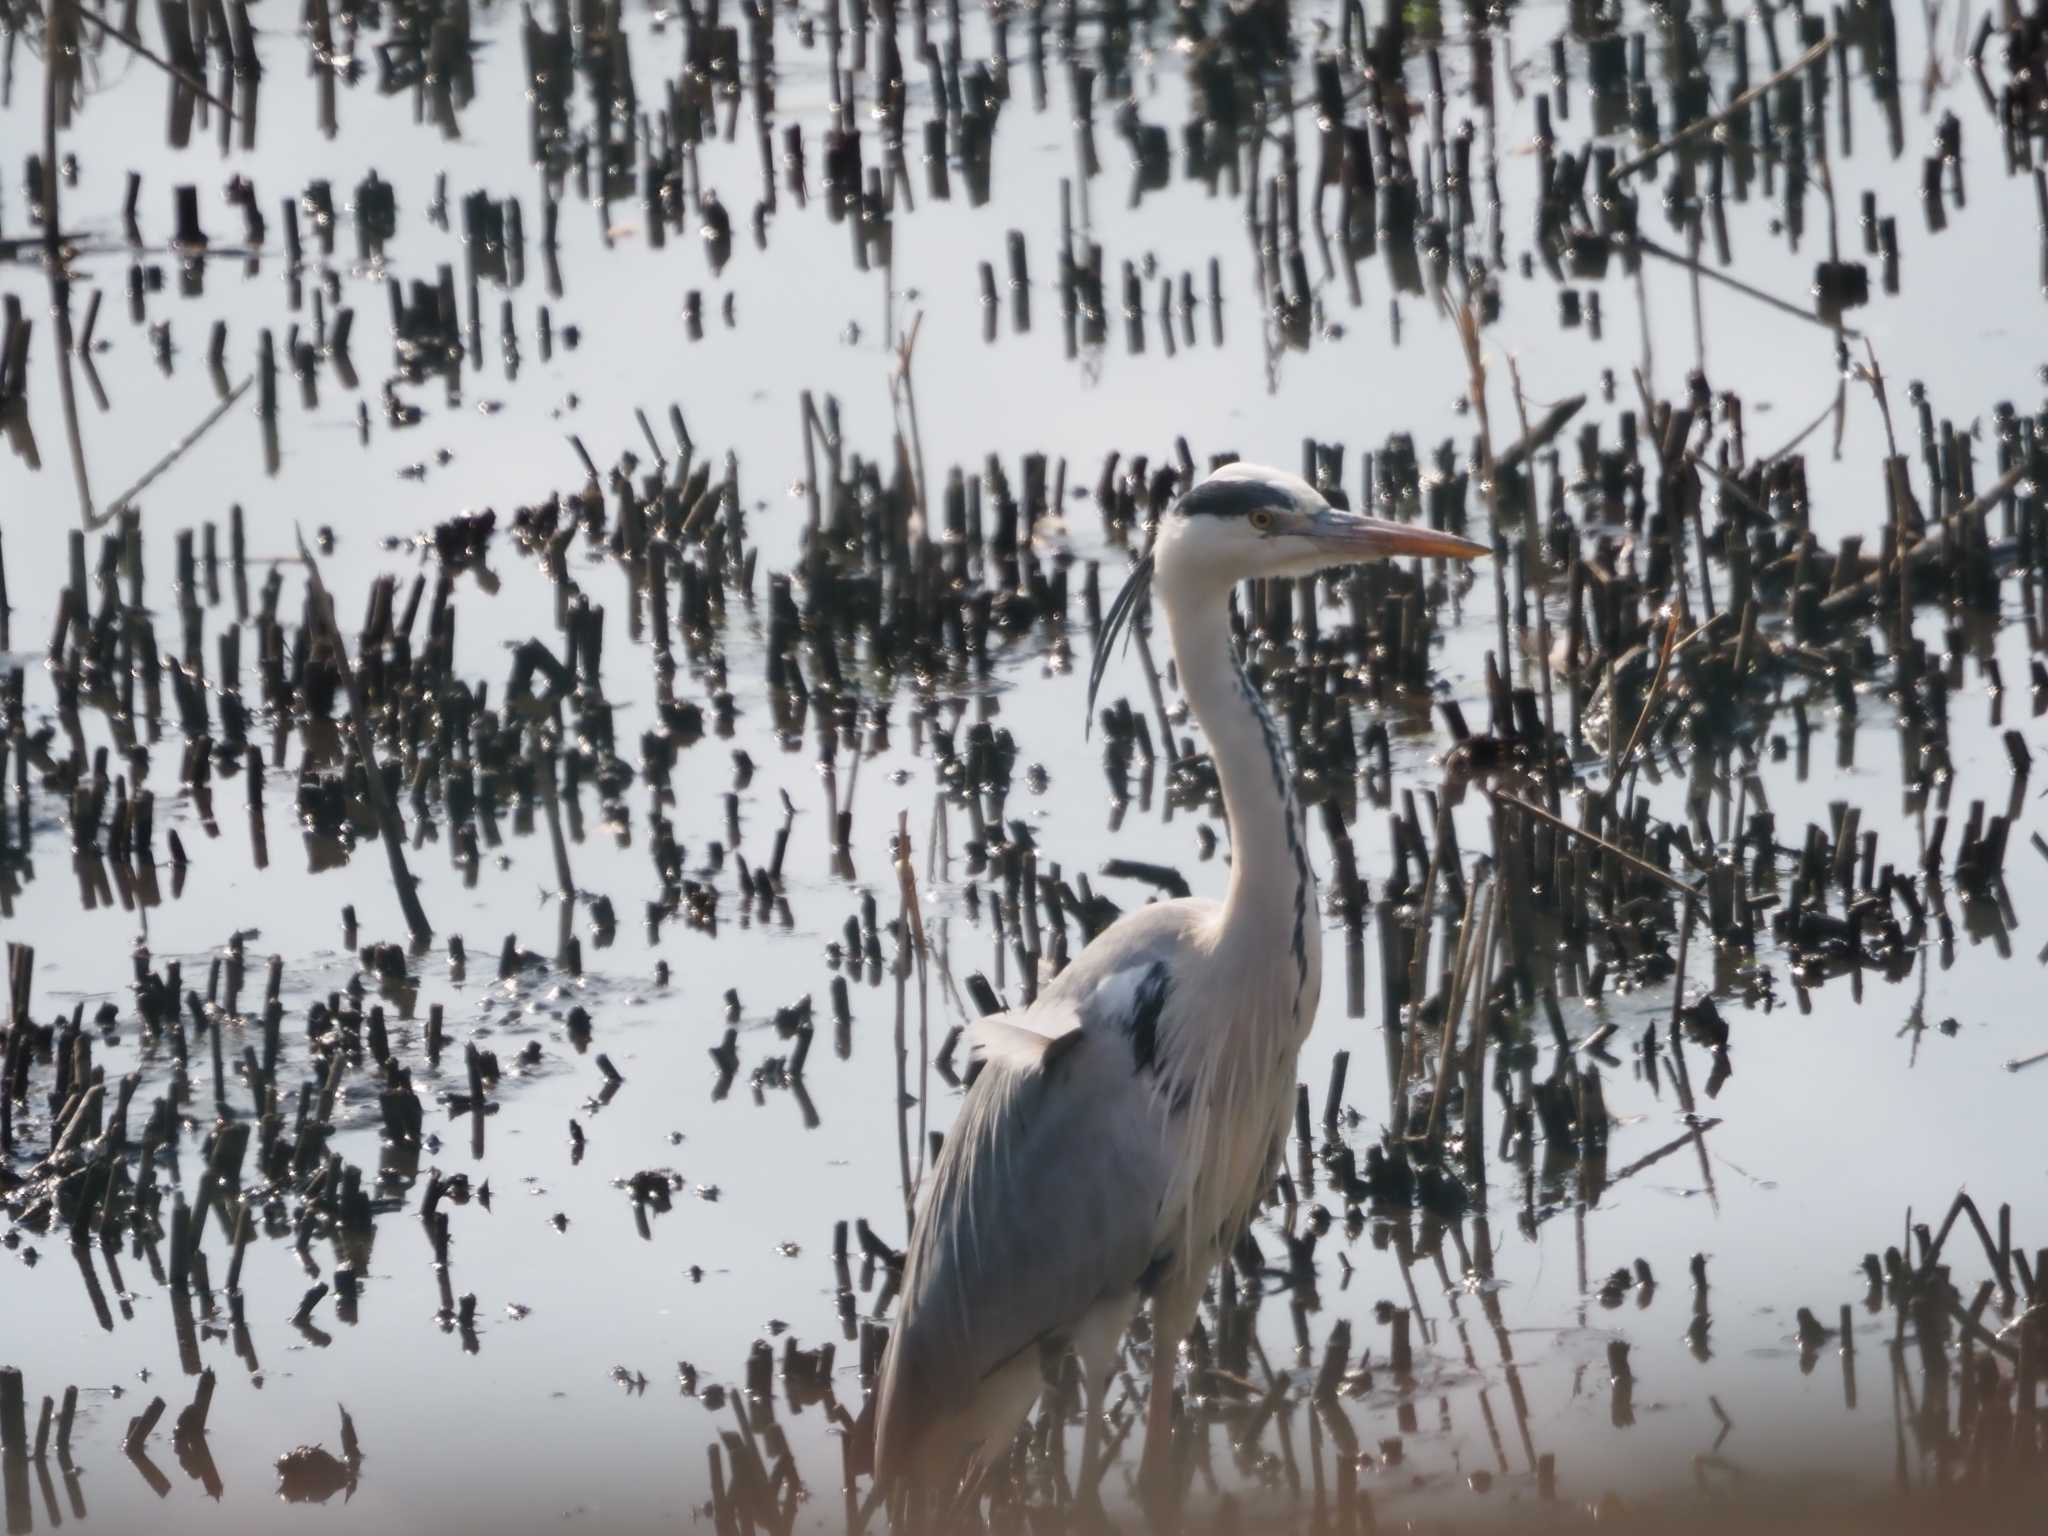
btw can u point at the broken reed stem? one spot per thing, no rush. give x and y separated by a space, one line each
1693 130
387 813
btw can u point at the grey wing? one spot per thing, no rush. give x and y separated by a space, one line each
1045 1201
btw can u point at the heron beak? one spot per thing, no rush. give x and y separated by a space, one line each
1347 536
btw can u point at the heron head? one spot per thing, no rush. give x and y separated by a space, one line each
1246 521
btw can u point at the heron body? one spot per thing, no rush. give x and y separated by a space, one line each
1124 1126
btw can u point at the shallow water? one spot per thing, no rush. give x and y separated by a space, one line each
1841 1115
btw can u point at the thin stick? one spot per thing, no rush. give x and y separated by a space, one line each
1783 306
53 254
1447 1035
904 355
184 445
906 876
544 770
1649 703
1805 432
1473 957
1475 387
1664 876
1560 414
812 496
713 495
184 77
902 968
1901 496
1169 752
1694 1133
1923 549
1535 438
1418 962
1693 130
1726 481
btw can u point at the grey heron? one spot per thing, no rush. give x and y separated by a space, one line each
1124 1126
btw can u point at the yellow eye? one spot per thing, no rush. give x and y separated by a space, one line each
1262 520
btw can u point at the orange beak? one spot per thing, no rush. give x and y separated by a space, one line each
1349 536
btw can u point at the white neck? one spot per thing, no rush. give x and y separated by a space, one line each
1270 909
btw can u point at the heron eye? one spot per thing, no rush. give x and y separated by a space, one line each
1262 519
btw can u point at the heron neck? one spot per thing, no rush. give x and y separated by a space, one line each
1271 900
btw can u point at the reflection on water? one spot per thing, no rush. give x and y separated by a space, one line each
1604 830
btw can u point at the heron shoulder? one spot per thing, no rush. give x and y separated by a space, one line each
1121 983
1176 932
